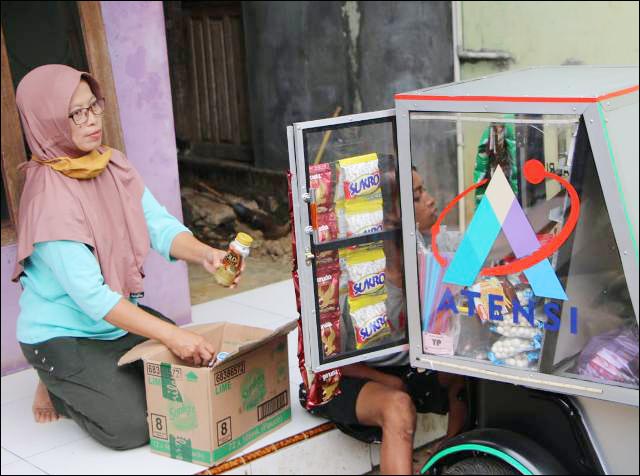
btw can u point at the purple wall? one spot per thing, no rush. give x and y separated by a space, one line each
12 359
138 49
136 37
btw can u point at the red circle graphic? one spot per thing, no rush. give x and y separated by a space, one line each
535 173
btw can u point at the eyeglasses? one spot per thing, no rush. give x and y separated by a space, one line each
80 116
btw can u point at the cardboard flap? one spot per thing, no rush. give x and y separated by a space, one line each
262 337
142 351
151 348
233 338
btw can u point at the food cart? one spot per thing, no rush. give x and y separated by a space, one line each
490 228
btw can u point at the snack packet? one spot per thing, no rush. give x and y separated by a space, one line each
327 258
328 281
330 333
363 216
485 288
360 176
506 347
369 319
327 226
522 360
320 180
522 329
324 386
366 272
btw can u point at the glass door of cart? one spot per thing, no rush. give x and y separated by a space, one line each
517 270
347 215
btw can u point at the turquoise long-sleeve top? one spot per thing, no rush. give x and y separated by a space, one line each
64 293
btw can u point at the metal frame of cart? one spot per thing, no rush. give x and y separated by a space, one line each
605 98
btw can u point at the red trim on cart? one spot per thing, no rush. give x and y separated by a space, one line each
417 97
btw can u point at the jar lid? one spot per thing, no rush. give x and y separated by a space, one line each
244 239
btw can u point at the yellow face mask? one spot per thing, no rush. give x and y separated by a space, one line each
86 167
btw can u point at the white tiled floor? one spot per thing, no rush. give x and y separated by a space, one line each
63 448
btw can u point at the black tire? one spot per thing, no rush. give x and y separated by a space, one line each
480 465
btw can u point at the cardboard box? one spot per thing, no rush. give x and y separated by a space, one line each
205 415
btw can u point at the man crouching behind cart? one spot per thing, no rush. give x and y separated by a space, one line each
378 401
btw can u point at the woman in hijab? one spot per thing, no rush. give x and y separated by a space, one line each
86 223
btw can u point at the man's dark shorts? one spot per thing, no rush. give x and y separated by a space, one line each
426 392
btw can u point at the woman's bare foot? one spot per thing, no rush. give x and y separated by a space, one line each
43 410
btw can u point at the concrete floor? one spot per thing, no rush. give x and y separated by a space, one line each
260 271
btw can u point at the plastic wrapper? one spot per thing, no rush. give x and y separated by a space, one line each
330 333
320 180
448 240
522 360
522 329
327 226
473 342
611 357
366 271
506 347
341 218
369 319
324 386
492 286
327 258
360 176
328 281
363 216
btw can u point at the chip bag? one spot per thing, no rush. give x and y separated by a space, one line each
328 281
320 180
360 176
485 288
369 319
363 216
366 272
327 226
330 333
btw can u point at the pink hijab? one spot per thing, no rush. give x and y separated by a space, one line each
104 212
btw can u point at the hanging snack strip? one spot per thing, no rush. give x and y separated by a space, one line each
359 196
321 181
328 283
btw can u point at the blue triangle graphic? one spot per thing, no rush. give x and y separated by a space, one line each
477 243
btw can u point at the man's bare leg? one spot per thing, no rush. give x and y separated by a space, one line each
43 410
393 411
457 408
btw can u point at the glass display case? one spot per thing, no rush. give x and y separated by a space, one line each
489 227
348 222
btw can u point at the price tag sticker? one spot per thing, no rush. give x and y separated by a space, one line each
437 344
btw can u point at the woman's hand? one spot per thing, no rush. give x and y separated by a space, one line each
190 347
213 259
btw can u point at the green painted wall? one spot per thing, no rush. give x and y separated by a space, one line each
543 33
550 33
